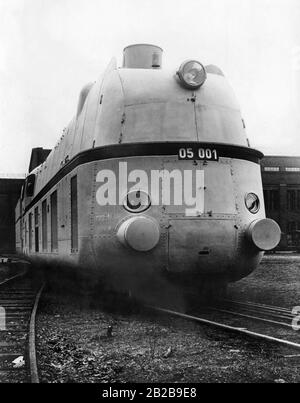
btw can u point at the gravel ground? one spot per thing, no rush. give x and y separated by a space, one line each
74 342
275 282
7 271
4 272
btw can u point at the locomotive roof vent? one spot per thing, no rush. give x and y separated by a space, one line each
142 56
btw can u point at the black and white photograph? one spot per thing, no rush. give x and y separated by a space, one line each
149 194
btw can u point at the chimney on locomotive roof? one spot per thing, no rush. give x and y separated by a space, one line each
142 56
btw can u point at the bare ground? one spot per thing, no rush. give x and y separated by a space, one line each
8 270
74 343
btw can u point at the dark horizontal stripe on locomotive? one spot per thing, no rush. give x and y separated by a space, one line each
142 150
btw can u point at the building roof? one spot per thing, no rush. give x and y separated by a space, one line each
280 161
12 176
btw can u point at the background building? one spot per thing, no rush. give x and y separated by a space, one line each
281 183
10 189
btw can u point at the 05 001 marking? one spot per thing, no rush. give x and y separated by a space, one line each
198 154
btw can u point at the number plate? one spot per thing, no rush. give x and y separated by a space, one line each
195 153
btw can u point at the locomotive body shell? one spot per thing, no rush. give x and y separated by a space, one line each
145 119
191 245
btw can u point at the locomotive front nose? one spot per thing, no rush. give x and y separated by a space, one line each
139 233
265 234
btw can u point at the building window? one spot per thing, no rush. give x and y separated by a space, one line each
271 197
292 169
74 215
36 228
298 200
30 181
44 225
21 234
291 228
30 232
293 233
26 234
291 199
271 169
54 225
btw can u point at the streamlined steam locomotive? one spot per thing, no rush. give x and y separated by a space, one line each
153 178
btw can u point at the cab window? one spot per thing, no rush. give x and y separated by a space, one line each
30 181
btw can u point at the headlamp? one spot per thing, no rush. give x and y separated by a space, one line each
192 74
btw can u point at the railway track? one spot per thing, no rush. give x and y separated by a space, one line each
268 314
19 297
260 321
